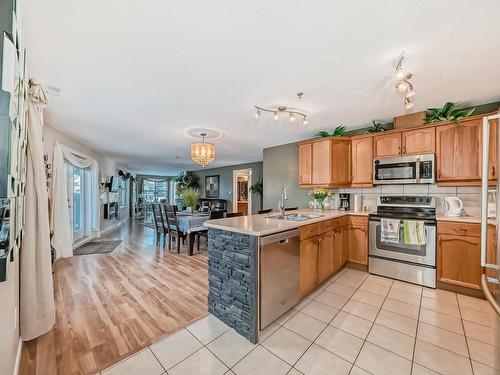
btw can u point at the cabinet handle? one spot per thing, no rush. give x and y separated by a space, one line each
404 149
439 173
493 171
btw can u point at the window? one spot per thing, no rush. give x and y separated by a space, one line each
154 190
123 192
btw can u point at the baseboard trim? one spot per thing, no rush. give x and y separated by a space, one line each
18 357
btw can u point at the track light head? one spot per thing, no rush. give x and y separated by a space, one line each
292 117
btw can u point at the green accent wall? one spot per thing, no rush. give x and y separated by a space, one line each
226 182
281 169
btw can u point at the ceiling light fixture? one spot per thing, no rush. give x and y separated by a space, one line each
403 84
292 112
202 153
257 114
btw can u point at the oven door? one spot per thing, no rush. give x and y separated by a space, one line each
420 254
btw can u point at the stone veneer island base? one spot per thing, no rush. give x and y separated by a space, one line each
233 280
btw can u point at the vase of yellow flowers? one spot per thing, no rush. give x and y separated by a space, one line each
319 194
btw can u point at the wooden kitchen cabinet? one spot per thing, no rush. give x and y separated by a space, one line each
419 141
305 163
325 256
308 265
458 153
340 246
387 145
325 162
358 240
362 161
458 255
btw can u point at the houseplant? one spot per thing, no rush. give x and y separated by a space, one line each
377 127
449 112
190 198
339 131
258 188
319 194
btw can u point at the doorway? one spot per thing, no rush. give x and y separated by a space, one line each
78 202
242 198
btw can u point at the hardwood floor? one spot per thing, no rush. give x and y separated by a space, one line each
112 305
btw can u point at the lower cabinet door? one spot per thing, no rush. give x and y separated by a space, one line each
459 260
345 245
338 249
308 265
358 244
325 256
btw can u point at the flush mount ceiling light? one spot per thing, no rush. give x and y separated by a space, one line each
203 153
403 84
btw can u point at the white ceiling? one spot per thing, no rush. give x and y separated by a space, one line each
135 74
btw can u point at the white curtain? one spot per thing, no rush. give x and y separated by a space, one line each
37 310
62 240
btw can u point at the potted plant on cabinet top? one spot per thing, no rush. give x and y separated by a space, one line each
319 194
449 112
190 198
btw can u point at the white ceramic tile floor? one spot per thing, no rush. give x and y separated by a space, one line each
416 330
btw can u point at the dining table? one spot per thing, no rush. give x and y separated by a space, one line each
190 223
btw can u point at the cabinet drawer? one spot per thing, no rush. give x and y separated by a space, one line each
340 222
308 231
359 220
325 226
461 229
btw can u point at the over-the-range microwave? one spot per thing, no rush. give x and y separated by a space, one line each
415 169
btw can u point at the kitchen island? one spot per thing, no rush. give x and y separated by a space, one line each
235 268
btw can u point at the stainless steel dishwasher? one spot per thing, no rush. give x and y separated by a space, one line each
279 275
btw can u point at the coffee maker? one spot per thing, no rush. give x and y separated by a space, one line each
344 203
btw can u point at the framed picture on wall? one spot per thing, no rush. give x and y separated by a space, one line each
212 186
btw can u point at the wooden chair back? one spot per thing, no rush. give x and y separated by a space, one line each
235 214
159 224
266 211
216 215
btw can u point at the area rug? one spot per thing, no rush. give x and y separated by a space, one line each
97 247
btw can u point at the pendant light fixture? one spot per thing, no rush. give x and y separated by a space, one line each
203 153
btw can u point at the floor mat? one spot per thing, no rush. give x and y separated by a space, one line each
97 247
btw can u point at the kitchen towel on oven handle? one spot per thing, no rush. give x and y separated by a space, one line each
414 232
389 230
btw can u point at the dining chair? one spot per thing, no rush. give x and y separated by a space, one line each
291 208
235 214
266 211
173 227
204 233
159 223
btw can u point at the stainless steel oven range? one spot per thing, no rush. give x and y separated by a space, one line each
415 263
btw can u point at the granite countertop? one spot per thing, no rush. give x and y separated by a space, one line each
263 225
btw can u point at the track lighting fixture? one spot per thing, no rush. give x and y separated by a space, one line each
403 84
292 113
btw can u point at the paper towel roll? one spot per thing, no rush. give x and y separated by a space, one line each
358 202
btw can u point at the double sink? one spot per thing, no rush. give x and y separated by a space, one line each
296 217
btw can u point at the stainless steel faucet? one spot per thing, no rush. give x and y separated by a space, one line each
281 203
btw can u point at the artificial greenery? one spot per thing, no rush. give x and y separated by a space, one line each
339 131
190 196
377 127
449 112
258 188
185 180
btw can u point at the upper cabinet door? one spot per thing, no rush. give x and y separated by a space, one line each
492 167
341 163
305 164
419 141
387 145
458 152
362 161
321 165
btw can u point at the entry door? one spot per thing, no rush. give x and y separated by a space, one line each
76 201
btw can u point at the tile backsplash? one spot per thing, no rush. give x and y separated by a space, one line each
471 196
